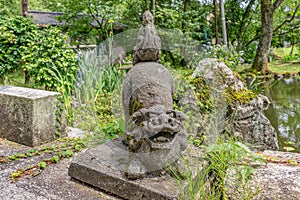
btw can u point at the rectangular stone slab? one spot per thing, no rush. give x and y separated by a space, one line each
103 167
27 116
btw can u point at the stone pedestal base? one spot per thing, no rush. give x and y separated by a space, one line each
104 167
30 116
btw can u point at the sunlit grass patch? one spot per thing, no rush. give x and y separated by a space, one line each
283 68
282 52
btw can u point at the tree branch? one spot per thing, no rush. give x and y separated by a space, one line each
100 24
290 30
253 39
245 16
277 4
287 20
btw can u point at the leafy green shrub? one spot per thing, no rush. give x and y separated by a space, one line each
24 46
53 57
291 57
42 55
228 55
16 34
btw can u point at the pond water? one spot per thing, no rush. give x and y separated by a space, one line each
284 111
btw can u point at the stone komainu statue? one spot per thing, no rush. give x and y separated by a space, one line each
154 131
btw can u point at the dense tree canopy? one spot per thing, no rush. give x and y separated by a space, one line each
247 21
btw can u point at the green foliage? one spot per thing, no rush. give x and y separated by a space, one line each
42 165
95 76
288 32
103 117
11 7
242 21
55 159
291 57
248 53
42 54
69 153
16 174
210 179
220 157
190 19
112 128
16 34
14 7
256 85
228 55
37 52
88 21
12 157
55 66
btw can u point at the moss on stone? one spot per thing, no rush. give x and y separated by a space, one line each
135 105
202 92
241 96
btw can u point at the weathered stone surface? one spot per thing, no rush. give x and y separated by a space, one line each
27 116
148 100
147 48
52 183
145 85
247 120
278 180
156 131
217 75
252 126
104 167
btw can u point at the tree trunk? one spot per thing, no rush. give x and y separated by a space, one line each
260 63
25 14
216 20
246 14
185 9
25 8
153 7
262 53
224 31
27 77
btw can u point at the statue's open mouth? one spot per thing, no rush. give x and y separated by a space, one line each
162 137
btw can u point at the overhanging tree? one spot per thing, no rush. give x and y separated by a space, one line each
268 9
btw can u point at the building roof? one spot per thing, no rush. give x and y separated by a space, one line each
44 18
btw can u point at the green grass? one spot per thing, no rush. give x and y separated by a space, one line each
211 180
283 68
284 62
282 52
15 79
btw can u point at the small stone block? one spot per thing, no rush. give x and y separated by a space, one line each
103 167
27 116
